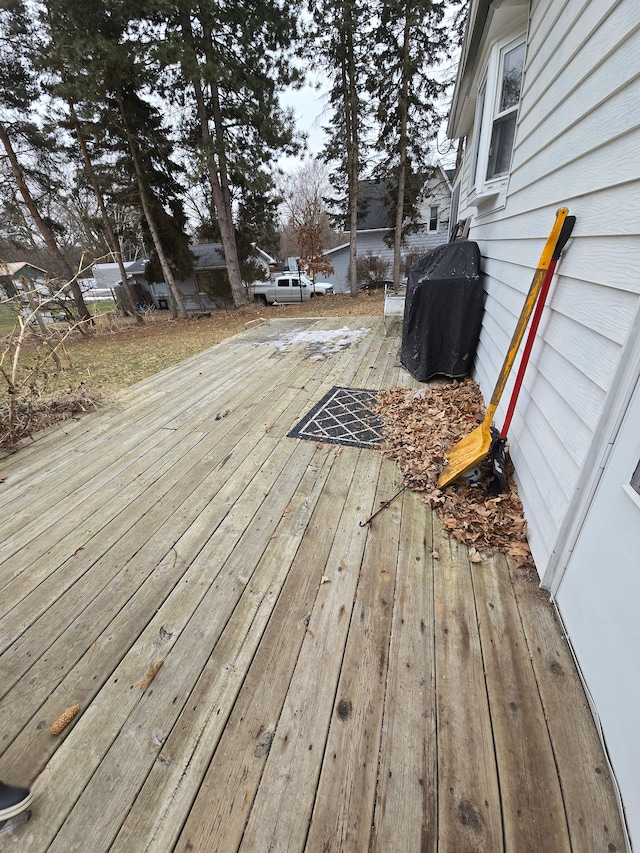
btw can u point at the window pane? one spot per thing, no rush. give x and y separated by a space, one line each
501 145
512 69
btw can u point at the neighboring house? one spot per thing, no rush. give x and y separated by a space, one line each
107 281
208 288
26 284
376 223
547 98
14 276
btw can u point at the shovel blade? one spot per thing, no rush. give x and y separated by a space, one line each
466 454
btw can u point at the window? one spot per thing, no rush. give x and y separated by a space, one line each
497 105
433 217
506 111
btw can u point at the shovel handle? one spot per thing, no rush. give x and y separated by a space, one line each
565 233
534 290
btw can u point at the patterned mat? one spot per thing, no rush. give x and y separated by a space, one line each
343 416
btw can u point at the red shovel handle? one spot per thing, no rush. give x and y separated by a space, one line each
564 235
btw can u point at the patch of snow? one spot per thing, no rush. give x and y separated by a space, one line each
322 344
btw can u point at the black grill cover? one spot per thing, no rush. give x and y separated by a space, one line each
443 312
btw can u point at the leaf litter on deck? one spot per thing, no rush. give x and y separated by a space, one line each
420 426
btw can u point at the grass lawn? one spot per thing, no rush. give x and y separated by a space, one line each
7 319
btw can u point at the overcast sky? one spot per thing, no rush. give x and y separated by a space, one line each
309 105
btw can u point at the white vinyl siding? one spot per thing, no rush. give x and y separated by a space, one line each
577 145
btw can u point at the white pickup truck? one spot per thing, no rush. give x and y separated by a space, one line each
288 287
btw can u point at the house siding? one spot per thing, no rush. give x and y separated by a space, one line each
577 145
373 242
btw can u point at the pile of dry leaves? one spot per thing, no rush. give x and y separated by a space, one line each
29 415
420 426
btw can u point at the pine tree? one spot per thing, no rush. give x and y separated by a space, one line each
411 41
18 125
342 37
101 66
234 58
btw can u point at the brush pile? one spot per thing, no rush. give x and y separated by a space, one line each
420 426
27 415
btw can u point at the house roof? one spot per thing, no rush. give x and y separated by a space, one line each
16 267
208 256
483 16
336 249
375 213
108 275
211 255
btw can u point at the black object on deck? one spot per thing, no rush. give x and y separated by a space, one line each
443 312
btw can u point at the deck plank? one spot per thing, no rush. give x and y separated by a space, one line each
585 776
406 802
533 811
344 803
174 783
196 615
239 763
469 797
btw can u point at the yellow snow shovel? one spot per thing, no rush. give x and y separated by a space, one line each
472 449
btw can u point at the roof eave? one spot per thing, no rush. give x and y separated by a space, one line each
476 21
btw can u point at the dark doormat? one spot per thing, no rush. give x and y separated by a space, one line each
343 416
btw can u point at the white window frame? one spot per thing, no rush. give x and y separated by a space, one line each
492 191
433 217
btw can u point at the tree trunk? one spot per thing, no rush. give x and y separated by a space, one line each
222 201
216 170
177 306
402 166
47 236
216 165
111 234
351 122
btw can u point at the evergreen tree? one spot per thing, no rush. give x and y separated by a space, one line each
411 41
342 39
101 67
235 61
19 127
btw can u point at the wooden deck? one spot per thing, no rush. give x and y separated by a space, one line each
326 686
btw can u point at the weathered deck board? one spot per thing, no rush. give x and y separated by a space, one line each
533 810
469 810
406 804
325 686
345 799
